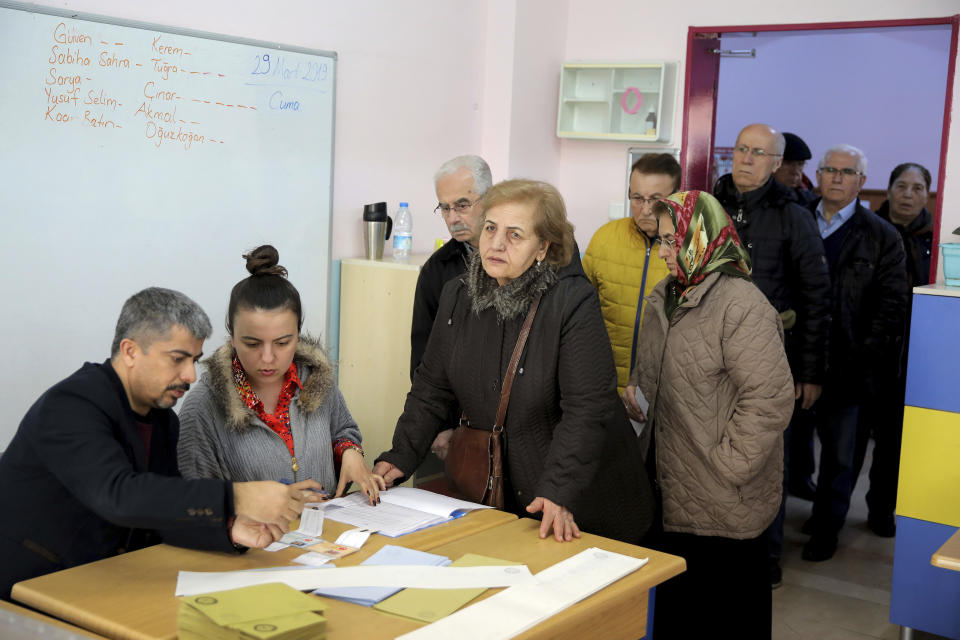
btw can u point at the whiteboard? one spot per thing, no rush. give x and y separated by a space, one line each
136 155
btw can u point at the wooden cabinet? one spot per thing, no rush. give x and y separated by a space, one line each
376 310
616 101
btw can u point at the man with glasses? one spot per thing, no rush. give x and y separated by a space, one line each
460 184
622 262
869 293
789 267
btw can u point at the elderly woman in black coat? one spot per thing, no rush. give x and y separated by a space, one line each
569 449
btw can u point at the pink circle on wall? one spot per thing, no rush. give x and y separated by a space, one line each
623 100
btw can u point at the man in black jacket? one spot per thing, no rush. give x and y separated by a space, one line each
92 469
460 184
789 267
869 293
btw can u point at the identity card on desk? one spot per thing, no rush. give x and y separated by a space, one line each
401 510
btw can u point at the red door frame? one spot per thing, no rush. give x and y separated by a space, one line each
700 99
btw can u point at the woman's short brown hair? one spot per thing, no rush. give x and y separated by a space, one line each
550 215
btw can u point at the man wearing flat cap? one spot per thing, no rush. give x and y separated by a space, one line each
790 173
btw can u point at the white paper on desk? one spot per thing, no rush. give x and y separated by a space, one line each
311 522
435 503
514 610
388 555
312 558
354 537
191 583
401 510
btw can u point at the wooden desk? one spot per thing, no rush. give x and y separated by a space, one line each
618 611
18 622
948 556
131 596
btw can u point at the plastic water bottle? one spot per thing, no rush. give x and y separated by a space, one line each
402 233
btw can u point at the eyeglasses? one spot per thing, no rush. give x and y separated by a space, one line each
846 172
670 241
459 207
756 153
639 201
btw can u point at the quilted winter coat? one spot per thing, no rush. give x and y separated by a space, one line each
720 394
622 264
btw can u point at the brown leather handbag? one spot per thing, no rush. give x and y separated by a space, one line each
474 462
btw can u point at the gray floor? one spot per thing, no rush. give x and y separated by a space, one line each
844 598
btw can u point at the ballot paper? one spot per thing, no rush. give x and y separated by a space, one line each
644 407
354 537
309 578
401 510
312 559
428 605
311 521
514 610
389 555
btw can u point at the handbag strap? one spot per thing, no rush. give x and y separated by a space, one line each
514 362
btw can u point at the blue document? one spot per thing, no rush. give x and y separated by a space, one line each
388 555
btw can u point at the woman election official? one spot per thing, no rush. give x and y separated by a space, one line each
569 450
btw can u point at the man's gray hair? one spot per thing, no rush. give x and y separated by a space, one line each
477 166
846 148
150 314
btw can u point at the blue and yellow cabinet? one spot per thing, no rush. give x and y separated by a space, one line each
924 596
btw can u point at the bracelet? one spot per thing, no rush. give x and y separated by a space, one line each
340 446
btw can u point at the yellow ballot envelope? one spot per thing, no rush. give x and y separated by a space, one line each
268 612
429 605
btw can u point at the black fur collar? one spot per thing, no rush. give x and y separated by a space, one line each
512 299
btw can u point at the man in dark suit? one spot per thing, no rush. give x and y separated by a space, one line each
869 294
92 470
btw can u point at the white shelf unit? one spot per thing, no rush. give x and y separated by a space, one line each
614 101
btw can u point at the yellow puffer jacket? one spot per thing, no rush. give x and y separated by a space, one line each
615 262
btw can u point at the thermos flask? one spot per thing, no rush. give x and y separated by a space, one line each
377 226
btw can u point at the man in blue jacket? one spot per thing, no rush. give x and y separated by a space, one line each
92 470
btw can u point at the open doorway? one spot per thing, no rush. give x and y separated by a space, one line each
882 86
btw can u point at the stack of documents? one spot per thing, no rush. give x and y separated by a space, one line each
268 612
389 555
401 510
429 605
514 610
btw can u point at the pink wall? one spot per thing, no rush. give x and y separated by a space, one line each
423 80
880 90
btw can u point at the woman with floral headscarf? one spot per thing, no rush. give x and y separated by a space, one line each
711 363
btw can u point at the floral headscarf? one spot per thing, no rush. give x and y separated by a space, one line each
706 242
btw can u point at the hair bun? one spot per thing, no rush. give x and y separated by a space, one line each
263 260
